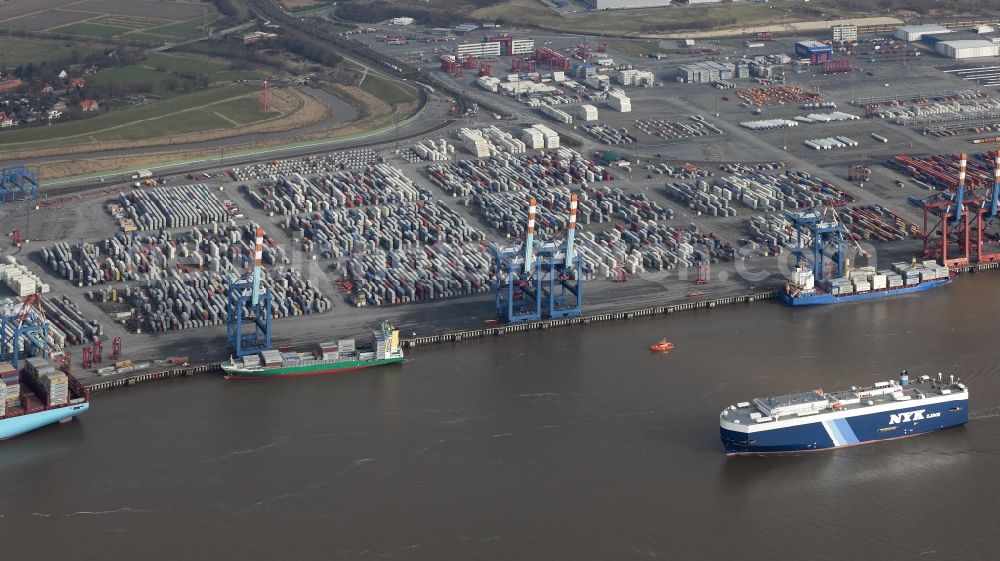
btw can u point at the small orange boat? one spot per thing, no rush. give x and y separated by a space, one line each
662 346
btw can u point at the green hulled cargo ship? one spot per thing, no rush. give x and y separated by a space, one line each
332 357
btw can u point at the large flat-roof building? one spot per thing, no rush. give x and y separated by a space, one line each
625 4
485 48
969 48
916 32
844 32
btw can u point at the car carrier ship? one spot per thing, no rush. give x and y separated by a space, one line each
330 358
37 396
818 421
863 284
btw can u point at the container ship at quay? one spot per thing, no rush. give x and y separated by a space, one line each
815 420
330 358
863 284
38 396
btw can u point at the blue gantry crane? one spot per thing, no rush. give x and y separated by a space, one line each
517 277
248 315
17 180
825 233
533 280
24 333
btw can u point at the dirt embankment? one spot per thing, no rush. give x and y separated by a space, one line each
298 109
374 114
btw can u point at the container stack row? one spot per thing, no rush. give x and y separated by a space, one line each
67 317
702 198
310 165
371 185
190 300
875 222
379 277
172 207
336 233
132 257
504 172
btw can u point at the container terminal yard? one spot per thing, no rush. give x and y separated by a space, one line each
576 179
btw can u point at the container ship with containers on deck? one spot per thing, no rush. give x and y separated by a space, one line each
331 357
864 283
816 420
38 396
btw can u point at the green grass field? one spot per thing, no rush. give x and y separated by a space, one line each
190 29
131 75
180 123
177 64
161 114
233 75
387 90
129 22
244 111
14 52
90 30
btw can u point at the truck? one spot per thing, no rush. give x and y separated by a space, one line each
140 174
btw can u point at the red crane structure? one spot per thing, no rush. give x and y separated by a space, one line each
949 216
555 59
116 349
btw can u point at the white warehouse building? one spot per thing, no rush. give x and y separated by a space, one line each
486 48
522 46
916 32
969 48
625 4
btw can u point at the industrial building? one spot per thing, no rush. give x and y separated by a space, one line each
401 21
483 49
625 4
522 46
465 28
916 32
815 51
706 72
635 78
845 32
969 48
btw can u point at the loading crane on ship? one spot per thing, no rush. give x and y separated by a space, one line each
25 333
248 312
823 233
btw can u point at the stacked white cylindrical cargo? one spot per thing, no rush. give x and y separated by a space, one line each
433 151
474 142
551 137
587 112
533 138
619 101
489 83
20 279
557 114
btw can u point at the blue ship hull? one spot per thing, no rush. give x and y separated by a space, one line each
818 298
838 431
14 426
